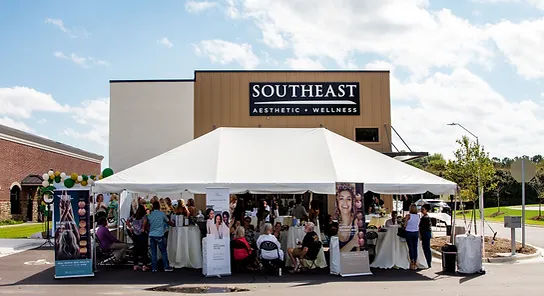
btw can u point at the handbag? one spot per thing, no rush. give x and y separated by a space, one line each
402 232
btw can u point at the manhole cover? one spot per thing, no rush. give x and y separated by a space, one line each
198 290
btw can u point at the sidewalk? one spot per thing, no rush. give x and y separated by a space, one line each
14 246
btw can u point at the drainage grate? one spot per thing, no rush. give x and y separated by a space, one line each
198 290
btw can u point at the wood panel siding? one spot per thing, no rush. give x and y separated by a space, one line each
222 100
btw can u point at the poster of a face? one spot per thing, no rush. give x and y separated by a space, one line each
216 226
351 217
72 238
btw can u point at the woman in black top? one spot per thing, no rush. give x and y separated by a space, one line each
425 232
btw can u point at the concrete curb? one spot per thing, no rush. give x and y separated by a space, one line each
539 253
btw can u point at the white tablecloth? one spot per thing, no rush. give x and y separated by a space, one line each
284 220
392 252
184 247
298 232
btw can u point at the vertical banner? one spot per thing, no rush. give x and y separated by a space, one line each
350 213
73 248
217 243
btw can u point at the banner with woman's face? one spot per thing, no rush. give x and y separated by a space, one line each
351 217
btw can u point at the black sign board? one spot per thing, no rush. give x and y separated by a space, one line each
305 98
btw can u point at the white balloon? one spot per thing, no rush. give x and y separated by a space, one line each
79 178
63 175
50 173
45 176
45 183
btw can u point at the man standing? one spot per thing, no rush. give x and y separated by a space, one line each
157 222
299 212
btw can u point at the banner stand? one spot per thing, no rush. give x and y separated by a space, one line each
73 235
216 244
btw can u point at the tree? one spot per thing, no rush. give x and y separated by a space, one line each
538 185
470 161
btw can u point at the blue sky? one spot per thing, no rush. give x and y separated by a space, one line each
474 61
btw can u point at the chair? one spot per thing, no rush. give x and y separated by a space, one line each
274 264
313 252
104 256
371 236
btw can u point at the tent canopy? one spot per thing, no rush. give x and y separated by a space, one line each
273 160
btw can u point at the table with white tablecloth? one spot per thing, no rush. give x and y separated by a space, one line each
184 247
297 232
392 251
378 221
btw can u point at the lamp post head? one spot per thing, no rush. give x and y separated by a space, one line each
453 123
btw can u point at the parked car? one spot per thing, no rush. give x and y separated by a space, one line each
437 205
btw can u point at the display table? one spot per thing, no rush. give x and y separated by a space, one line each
378 221
184 247
391 252
297 232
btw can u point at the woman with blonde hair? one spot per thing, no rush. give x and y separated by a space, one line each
182 208
242 251
411 225
191 207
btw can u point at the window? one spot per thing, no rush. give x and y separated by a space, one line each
15 200
367 134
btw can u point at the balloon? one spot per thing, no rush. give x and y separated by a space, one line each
51 180
107 172
69 183
50 173
73 176
45 183
57 179
100 177
83 183
63 175
45 176
93 177
57 174
79 178
85 177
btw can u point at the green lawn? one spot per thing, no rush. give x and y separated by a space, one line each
507 211
21 231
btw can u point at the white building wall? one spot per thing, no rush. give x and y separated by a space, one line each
148 118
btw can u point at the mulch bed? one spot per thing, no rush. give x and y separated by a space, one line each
500 245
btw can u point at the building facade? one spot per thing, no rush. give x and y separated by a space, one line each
150 117
24 159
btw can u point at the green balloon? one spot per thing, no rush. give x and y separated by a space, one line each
107 172
51 181
69 183
85 178
57 179
93 177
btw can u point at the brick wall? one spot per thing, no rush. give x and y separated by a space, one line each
18 161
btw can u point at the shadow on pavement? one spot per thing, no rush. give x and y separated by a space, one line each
14 272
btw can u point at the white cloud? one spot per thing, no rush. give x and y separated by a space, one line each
42 121
4 120
94 116
199 6
225 52
58 23
304 64
164 41
521 43
84 62
405 32
421 110
74 33
536 3
21 102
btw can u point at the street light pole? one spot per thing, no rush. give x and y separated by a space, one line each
480 189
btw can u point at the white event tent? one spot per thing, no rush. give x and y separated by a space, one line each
273 160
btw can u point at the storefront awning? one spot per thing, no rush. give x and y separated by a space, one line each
32 180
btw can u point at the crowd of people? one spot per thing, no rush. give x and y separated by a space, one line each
251 245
